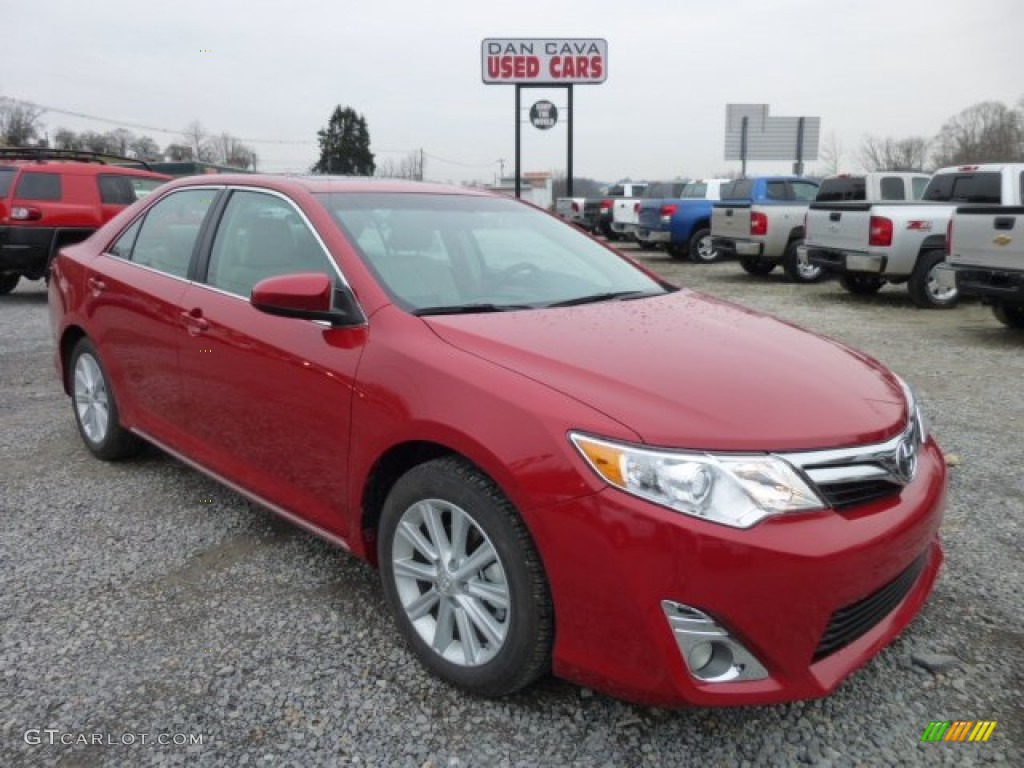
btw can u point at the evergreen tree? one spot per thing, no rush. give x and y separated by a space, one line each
345 145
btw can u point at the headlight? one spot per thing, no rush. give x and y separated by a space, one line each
732 489
914 408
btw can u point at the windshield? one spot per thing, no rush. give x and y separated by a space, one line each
436 254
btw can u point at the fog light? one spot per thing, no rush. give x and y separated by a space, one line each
711 654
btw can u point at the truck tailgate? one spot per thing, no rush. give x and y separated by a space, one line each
992 237
732 220
843 227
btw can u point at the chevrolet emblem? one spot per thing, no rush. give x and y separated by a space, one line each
1002 240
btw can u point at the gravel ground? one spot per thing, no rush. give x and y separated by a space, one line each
142 598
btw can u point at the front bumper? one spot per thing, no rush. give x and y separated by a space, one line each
612 560
842 262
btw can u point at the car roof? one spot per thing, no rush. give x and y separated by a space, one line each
319 184
79 168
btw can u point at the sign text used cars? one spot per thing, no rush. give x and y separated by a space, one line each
544 60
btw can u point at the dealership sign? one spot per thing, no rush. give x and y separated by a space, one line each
540 61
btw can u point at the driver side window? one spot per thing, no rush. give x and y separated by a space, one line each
262 236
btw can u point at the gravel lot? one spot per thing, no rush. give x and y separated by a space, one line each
142 598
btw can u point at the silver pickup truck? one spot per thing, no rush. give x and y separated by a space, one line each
986 257
870 244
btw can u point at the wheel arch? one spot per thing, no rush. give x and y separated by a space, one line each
68 339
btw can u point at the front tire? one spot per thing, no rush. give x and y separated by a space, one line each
861 285
754 265
923 286
1010 315
800 271
701 249
95 407
464 580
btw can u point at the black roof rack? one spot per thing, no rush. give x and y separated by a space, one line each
41 154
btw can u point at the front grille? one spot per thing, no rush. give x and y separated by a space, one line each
843 495
849 623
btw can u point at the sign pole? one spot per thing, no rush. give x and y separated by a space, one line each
518 130
568 183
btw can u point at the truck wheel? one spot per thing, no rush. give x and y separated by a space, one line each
701 250
923 286
800 271
861 285
8 283
753 265
1010 315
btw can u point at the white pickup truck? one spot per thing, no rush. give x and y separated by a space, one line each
616 212
571 209
986 256
870 244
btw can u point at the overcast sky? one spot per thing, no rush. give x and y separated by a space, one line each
276 68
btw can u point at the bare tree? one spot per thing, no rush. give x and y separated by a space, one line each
144 148
19 122
889 154
196 138
120 139
102 143
830 155
986 132
178 153
229 150
409 167
65 138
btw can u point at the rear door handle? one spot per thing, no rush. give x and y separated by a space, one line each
194 321
96 285
1004 222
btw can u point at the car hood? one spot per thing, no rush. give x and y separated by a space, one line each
689 371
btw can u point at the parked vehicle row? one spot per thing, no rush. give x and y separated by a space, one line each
870 243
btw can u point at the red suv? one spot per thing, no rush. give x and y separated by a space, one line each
556 459
51 198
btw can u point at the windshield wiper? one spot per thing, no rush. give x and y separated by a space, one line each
468 309
610 296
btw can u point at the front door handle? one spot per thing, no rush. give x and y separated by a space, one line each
194 321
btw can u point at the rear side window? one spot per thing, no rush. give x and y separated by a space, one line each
617 191
840 189
123 247
124 190
965 188
918 185
6 177
38 186
169 232
776 190
804 191
742 189
892 188
695 190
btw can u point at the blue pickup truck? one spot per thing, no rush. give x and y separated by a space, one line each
683 224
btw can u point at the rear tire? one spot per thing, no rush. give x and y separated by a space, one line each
861 285
701 249
923 286
1010 315
800 272
754 265
464 580
8 283
95 407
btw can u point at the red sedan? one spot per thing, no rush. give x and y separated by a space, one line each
556 460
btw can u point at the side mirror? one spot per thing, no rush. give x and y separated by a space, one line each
307 296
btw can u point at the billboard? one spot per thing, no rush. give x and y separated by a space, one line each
768 137
544 61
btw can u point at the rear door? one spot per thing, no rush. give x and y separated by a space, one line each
134 301
991 237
